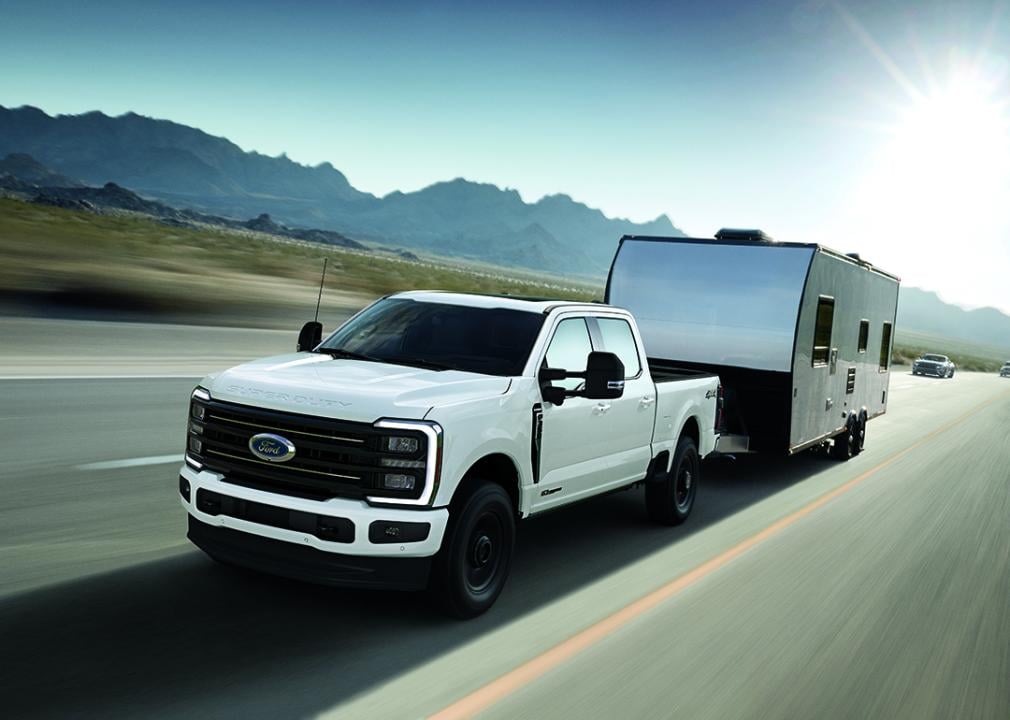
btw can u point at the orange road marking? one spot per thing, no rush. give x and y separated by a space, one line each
486 696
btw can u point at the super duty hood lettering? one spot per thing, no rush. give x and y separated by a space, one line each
285 397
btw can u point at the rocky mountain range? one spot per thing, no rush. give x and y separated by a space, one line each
190 169
24 177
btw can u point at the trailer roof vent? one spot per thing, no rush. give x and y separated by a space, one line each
854 256
755 236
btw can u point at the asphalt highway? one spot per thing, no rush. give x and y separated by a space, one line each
800 587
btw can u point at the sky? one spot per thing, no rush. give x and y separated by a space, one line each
876 127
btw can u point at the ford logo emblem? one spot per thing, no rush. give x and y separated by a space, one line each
272 448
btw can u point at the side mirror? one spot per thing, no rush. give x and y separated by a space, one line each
310 336
604 377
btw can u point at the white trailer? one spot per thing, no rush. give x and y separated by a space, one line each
799 334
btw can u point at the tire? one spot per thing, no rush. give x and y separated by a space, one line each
470 570
860 435
669 501
951 376
844 447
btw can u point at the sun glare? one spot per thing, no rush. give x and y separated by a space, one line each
946 168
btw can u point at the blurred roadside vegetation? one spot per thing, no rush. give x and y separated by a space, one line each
71 263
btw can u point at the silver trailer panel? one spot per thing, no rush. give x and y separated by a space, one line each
750 311
718 304
856 376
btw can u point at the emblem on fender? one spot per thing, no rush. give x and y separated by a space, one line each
272 448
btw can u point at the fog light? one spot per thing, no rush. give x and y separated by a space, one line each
386 531
398 482
402 444
184 488
195 444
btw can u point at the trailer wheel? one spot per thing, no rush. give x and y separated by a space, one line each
845 443
470 570
669 501
860 434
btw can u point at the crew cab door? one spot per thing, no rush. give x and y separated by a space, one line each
588 446
572 452
630 418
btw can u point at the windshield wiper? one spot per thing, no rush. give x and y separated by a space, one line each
410 362
421 363
349 354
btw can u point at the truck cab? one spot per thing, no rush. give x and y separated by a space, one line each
401 450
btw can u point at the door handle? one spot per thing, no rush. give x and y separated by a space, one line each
646 401
600 408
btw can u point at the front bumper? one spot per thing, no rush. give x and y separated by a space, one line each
337 541
934 371
308 564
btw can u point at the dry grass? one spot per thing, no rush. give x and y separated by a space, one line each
69 259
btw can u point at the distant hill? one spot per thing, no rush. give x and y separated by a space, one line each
23 177
27 169
187 168
924 312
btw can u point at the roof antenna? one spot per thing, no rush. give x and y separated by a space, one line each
312 332
320 298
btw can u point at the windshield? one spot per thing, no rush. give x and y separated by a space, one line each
491 341
934 358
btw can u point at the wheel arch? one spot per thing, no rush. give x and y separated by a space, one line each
494 467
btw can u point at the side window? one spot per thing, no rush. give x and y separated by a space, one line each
822 331
864 335
885 347
618 339
569 349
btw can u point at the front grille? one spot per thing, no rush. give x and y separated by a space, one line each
333 458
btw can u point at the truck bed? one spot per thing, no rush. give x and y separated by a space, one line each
664 371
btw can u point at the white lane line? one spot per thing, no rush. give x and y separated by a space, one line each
131 462
98 377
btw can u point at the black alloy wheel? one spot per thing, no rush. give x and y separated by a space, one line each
669 499
470 570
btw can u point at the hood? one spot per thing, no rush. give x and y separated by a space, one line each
356 390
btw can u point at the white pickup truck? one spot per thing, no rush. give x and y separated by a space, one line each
401 451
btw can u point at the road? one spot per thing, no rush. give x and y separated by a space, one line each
891 598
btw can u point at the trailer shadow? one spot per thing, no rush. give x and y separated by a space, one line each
182 636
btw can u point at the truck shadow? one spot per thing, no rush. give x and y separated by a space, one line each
182 636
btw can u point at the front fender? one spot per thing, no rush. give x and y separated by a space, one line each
474 430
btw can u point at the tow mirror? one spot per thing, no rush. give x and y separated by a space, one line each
604 379
310 336
604 376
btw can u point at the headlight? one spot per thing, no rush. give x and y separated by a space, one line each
401 444
398 482
197 415
417 449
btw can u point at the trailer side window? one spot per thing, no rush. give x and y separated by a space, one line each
864 335
822 331
885 348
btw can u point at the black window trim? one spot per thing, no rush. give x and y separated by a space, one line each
814 362
884 362
863 343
